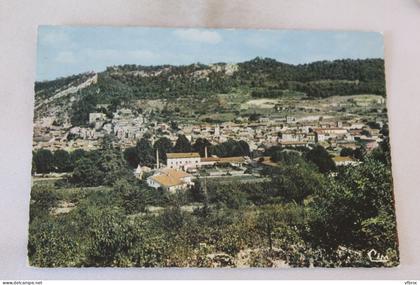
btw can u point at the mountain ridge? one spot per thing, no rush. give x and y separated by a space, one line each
198 64
260 78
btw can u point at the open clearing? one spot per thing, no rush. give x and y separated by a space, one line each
260 103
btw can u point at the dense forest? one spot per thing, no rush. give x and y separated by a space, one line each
318 79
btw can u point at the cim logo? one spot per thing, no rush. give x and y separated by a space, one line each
375 256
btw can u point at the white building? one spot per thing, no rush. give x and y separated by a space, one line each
344 161
324 134
217 131
141 170
291 136
183 160
290 120
96 117
170 179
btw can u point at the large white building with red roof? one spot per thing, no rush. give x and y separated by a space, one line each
170 179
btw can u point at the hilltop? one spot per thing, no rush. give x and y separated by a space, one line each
76 96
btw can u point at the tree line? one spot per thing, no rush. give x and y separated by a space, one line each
144 153
46 161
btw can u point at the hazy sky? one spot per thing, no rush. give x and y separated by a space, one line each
64 51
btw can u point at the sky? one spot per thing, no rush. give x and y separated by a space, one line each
64 50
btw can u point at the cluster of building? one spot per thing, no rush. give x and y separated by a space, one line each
290 132
330 134
128 126
181 168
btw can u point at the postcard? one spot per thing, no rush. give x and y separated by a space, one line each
159 147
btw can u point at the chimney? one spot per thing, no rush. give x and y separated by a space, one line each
157 158
205 151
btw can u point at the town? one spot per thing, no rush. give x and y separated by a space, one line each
127 126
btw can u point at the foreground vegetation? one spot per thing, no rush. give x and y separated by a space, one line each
306 213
